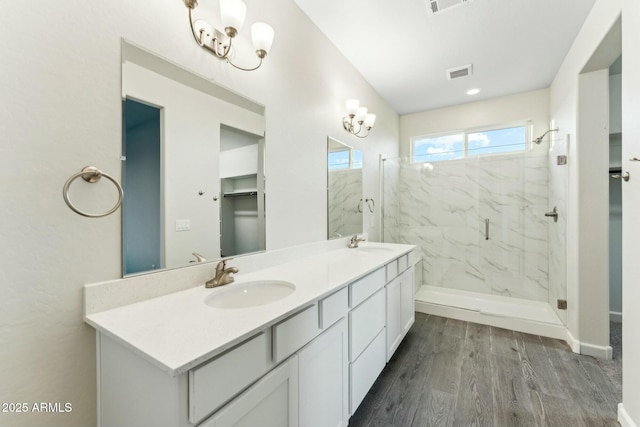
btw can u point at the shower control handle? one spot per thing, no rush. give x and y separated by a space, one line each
553 214
486 229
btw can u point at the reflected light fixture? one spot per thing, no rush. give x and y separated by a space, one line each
357 119
232 14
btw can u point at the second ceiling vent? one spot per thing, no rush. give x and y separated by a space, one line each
437 6
458 72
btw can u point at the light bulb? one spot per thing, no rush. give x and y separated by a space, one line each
352 106
233 13
361 113
369 120
262 37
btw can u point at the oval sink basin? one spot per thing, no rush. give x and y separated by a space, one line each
250 294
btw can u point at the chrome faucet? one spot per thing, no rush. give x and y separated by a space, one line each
199 258
353 243
223 275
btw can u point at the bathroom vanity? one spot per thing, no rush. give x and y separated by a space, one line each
222 357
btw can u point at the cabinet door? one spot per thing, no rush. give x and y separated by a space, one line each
324 379
407 296
400 309
394 318
271 402
365 370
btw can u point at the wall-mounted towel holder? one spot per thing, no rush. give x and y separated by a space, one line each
91 175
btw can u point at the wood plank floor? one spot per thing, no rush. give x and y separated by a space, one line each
453 373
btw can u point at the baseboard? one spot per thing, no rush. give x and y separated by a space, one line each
573 342
615 317
623 417
599 351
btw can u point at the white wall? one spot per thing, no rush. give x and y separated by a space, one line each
563 96
60 85
591 160
564 106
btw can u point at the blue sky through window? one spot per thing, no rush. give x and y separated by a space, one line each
341 159
451 147
497 141
447 147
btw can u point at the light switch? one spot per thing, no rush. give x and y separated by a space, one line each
183 225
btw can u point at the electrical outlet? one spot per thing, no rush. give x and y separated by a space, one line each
183 225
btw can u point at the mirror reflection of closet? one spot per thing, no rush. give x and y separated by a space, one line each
242 220
175 124
345 203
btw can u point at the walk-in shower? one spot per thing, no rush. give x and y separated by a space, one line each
489 253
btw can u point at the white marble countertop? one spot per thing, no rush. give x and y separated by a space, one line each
179 331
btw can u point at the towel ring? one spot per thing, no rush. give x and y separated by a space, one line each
371 205
92 175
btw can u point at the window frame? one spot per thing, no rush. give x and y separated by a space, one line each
528 144
352 161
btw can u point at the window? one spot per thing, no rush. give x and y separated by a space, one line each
345 159
469 143
445 147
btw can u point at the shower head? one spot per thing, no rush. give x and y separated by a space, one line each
538 140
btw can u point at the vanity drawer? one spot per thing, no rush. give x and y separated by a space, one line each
365 322
364 371
392 270
413 257
361 289
403 263
333 308
215 383
294 332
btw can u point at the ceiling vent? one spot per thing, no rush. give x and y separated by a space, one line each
458 72
437 6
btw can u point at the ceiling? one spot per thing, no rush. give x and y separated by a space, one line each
403 50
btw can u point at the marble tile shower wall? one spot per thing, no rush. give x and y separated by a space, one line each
443 212
390 201
344 193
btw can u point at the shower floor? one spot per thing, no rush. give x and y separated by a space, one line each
534 317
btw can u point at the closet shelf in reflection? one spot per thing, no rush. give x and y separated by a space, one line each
245 193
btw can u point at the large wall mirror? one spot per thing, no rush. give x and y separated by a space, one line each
193 167
344 189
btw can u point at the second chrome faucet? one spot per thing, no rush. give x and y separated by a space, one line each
353 242
223 275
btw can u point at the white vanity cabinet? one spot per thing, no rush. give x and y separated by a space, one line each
400 309
366 335
271 402
323 381
310 369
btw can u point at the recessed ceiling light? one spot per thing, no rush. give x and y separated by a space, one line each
473 91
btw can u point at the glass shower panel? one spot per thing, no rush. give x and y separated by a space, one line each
478 221
557 231
513 199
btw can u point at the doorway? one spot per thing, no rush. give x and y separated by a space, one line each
615 208
141 213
